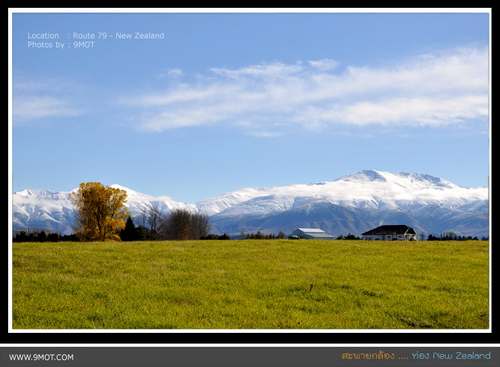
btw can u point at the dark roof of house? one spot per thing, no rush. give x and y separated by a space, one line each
390 229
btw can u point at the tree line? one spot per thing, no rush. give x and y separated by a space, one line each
452 236
179 225
40 235
101 215
141 233
260 236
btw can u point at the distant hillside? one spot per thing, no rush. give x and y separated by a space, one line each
353 204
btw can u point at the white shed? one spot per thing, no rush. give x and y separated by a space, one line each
311 233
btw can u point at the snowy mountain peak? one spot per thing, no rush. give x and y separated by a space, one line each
365 175
131 194
34 192
427 180
116 186
414 180
353 203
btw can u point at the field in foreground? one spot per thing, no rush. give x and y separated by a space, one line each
251 284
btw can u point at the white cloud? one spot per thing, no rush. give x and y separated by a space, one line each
440 89
170 73
418 111
41 98
324 64
35 107
268 70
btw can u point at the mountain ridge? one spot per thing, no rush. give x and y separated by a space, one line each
354 203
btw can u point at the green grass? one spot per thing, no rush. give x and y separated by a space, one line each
251 284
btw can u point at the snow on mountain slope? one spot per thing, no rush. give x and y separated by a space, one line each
219 203
55 211
354 203
43 209
371 197
370 189
138 202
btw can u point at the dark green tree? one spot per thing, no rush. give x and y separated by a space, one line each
130 232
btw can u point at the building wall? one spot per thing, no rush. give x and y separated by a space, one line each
317 236
390 237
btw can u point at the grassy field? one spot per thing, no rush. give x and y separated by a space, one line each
251 284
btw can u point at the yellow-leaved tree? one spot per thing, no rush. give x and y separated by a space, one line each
100 212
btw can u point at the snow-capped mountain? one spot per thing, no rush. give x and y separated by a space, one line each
356 203
55 211
353 203
137 203
43 209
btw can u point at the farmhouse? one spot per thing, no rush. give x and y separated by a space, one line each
391 233
311 233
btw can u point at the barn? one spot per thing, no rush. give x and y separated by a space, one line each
391 233
311 233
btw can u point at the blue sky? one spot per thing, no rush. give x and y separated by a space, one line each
225 101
